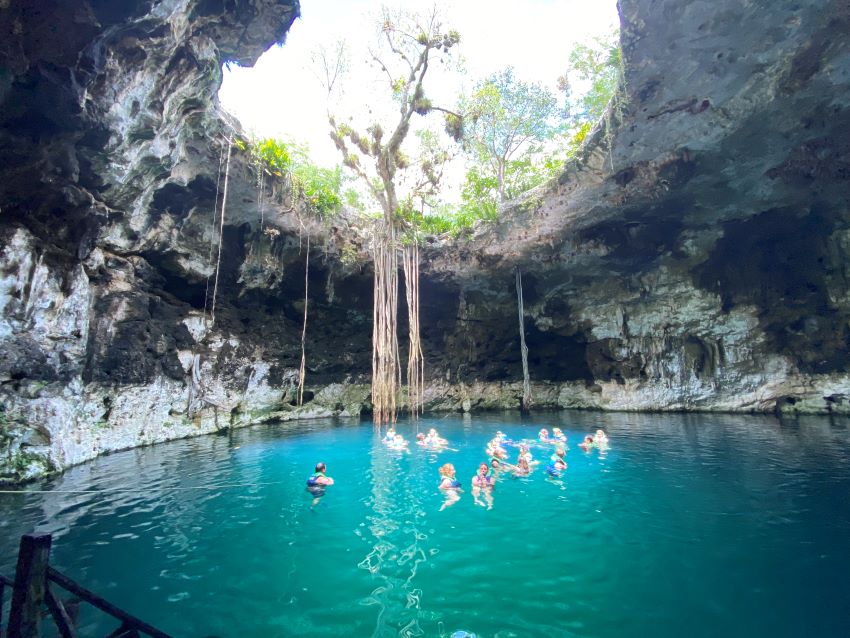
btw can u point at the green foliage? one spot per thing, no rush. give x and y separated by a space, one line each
319 188
274 156
516 134
446 220
506 115
597 66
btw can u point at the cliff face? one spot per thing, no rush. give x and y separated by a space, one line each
695 257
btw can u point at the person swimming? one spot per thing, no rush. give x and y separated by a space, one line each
559 455
525 454
319 478
317 482
449 485
555 468
600 438
398 443
482 485
389 437
435 439
543 435
558 435
587 444
495 450
483 478
522 468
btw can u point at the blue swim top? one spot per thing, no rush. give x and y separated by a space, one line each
313 479
454 483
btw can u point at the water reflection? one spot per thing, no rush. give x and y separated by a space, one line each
399 543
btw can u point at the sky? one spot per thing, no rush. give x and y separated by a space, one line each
280 96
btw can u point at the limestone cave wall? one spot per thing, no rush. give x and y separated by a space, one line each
694 257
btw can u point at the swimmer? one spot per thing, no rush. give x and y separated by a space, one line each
318 478
555 468
559 455
543 435
449 485
389 436
483 478
600 439
525 454
482 485
398 443
494 449
522 468
558 435
317 482
502 438
435 439
587 444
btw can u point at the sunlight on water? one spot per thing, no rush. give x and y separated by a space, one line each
693 525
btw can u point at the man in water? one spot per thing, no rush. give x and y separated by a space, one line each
317 482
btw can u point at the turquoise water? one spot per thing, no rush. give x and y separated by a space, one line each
690 525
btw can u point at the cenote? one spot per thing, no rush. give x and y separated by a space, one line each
630 216
698 525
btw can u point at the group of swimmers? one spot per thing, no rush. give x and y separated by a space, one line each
432 441
485 477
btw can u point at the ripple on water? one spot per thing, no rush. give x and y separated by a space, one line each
683 523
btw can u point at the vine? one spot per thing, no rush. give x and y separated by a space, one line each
384 318
526 384
302 369
415 360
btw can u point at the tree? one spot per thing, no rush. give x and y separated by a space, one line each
503 118
407 45
598 67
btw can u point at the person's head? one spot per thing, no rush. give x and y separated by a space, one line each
447 469
588 439
556 430
483 468
420 437
544 432
432 432
320 467
559 451
523 447
600 433
494 463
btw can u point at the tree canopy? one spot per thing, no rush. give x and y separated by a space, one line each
505 117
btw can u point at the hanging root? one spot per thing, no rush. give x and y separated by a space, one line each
526 385
415 360
384 337
302 370
221 230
